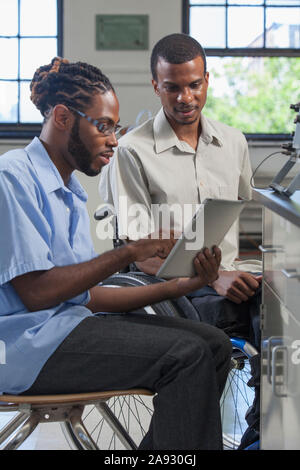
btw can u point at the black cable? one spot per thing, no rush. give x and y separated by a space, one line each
254 172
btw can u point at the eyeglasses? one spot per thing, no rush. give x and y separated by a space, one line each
106 128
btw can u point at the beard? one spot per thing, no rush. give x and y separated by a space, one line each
186 123
81 155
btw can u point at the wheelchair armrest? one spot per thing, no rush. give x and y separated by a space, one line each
102 213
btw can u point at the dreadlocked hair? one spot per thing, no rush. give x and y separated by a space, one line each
71 84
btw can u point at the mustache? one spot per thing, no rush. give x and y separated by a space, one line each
105 154
185 108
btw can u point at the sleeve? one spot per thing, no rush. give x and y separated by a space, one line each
25 235
245 190
124 185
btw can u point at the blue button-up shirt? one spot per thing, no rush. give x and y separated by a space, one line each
43 224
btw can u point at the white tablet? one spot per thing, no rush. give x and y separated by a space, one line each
208 227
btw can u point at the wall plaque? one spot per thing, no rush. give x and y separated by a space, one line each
122 32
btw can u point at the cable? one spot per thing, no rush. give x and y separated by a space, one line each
252 177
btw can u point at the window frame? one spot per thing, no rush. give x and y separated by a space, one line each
26 130
242 51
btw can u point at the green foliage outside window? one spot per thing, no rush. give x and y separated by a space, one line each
257 95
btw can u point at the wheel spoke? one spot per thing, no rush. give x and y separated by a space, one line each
235 401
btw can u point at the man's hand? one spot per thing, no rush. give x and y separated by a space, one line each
236 286
207 265
151 247
152 264
130 298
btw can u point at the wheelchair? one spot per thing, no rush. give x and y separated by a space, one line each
134 411
237 396
119 421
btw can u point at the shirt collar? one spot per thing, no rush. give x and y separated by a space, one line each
210 133
48 173
166 138
164 135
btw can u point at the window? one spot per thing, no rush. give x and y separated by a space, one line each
30 36
253 56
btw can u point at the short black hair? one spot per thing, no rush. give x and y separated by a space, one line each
176 48
63 82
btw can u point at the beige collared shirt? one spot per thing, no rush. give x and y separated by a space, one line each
152 166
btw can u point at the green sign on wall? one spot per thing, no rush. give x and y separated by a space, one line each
122 32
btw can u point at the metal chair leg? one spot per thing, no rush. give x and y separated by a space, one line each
80 431
12 426
117 427
21 435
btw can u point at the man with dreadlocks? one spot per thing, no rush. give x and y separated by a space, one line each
57 338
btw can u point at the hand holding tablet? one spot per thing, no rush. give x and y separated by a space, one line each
207 229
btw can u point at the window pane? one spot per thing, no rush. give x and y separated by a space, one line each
283 2
8 17
34 53
207 25
9 58
242 91
245 27
246 2
38 18
9 101
205 2
28 112
283 27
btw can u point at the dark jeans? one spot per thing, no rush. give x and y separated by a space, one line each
186 363
242 320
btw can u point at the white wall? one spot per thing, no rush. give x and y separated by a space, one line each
129 72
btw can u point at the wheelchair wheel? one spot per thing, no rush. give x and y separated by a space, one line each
164 308
182 307
237 396
134 413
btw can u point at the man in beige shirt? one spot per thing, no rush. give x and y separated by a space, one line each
179 158
176 160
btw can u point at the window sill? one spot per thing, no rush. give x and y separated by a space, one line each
19 132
